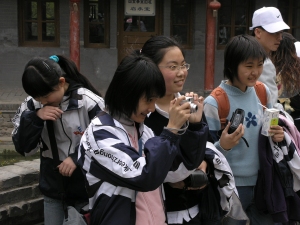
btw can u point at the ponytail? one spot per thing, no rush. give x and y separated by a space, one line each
71 71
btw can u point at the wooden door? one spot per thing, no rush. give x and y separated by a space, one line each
134 30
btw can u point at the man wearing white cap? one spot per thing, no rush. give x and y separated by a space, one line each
267 26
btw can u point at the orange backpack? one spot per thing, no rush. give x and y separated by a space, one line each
223 103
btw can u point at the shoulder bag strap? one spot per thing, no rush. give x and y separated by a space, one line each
56 162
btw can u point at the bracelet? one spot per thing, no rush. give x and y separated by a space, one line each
183 130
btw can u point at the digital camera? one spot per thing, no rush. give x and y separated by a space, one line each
190 100
236 119
197 179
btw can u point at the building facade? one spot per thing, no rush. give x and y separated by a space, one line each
110 28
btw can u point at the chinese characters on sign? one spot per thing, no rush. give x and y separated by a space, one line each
140 7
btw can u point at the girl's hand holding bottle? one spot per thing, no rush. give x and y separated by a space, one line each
278 133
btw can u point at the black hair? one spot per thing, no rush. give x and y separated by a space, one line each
41 75
135 77
239 49
155 48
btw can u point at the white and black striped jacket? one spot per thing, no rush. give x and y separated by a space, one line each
114 170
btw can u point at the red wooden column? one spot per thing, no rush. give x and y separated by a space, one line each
211 14
75 32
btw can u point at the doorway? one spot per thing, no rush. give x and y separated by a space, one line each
134 29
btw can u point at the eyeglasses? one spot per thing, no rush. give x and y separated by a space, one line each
184 67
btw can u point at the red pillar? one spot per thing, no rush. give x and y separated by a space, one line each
74 32
211 13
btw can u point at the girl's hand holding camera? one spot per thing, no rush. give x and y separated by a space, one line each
49 113
196 116
178 114
228 141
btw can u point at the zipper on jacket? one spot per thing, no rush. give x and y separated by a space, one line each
65 134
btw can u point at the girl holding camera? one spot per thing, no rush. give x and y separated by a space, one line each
123 161
182 201
243 65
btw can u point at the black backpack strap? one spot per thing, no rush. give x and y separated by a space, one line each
56 162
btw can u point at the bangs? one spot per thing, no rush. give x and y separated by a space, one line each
246 47
154 84
252 51
145 78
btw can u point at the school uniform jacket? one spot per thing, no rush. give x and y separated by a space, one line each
30 134
114 170
279 179
221 171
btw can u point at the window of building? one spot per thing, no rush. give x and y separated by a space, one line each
96 23
234 18
290 11
182 21
39 23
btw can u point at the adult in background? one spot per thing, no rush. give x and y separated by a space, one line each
267 27
287 65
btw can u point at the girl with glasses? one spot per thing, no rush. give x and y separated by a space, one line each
182 203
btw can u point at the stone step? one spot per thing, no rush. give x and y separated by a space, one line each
24 212
6 144
6 140
21 201
19 174
24 193
9 107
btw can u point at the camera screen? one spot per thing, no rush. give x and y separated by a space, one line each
236 120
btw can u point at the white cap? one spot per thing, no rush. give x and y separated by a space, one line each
297 46
270 19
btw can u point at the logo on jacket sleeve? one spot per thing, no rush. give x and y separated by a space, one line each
79 131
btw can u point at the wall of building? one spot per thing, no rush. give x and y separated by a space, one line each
97 64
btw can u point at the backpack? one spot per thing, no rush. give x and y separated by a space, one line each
223 103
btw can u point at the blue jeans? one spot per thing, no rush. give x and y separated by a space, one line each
246 194
53 210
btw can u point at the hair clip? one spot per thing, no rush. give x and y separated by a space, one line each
47 66
54 58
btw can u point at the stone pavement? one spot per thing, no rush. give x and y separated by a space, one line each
10 98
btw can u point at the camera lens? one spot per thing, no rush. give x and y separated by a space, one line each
194 107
